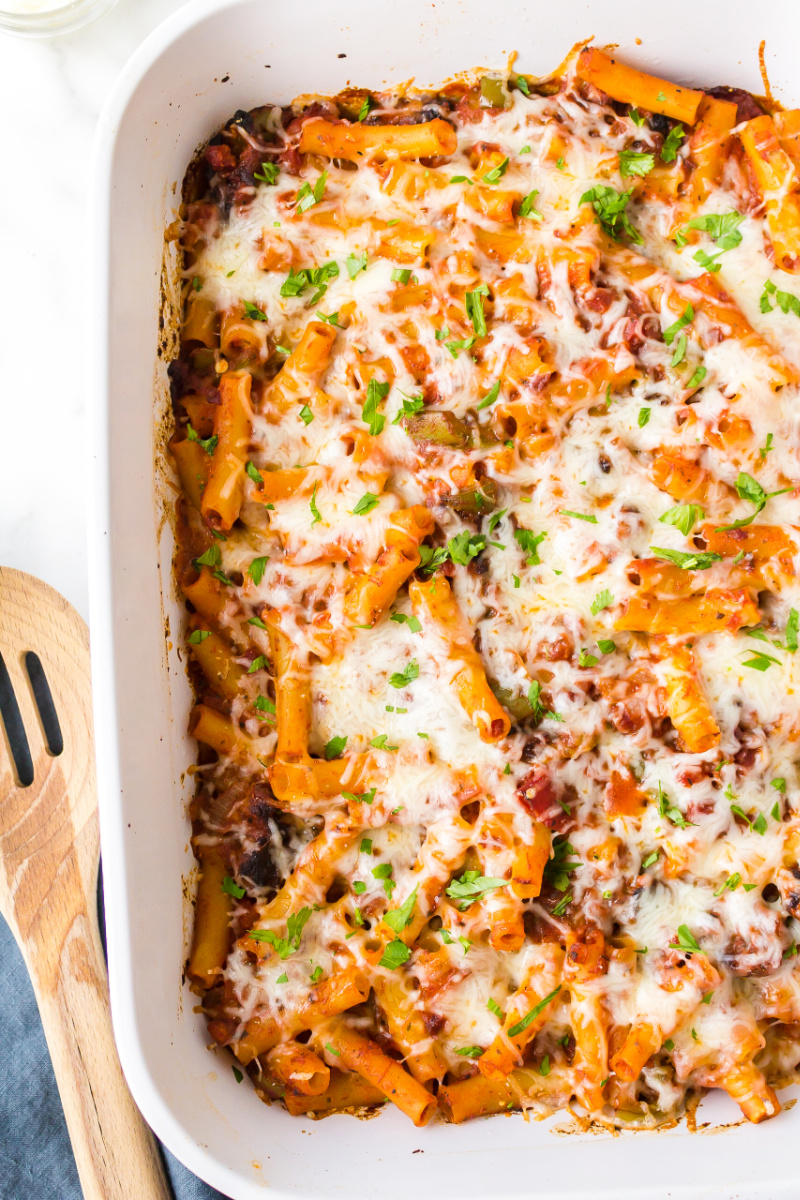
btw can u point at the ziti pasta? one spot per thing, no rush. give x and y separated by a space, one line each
487 430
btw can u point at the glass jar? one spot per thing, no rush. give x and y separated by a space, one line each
44 18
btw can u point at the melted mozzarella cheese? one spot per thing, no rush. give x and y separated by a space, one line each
711 829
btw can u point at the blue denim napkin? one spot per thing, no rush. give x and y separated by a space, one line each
36 1160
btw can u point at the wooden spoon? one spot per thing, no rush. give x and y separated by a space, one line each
49 855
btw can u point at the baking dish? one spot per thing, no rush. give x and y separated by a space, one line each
207 61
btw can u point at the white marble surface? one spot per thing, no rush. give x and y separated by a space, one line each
51 93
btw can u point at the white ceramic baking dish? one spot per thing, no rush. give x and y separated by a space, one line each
209 59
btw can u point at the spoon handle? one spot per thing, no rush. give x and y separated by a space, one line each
115 1152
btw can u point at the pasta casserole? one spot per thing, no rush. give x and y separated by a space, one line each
487 433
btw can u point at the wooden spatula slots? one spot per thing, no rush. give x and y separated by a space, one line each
49 854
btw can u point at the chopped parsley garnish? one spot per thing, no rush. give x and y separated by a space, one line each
672 331
401 275
455 347
672 143
403 678
465 546
237 1074
760 661
609 206
527 1020
529 542
254 313
606 645
683 517
410 405
585 659
208 444
470 1051
643 417
364 111
471 886
253 473
412 622
698 377
495 519
709 262
198 636
739 812
632 162
306 415
398 918
474 305
779 784
669 810
538 711
257 568
334 747
636 117
685 941
296 282
356 263
258 664
316 975
791 631
679 353
495 1008
294 929
526 208
449 941
366 504
490 396
559 868
379 743
212 558
307 196
231 888
765 449
688 561
786 302
497 173
264 704
722 228
522 84
361 798
312 504
602 600
750 489
565 512
395 954
650 860
267 173
359 887
376 393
